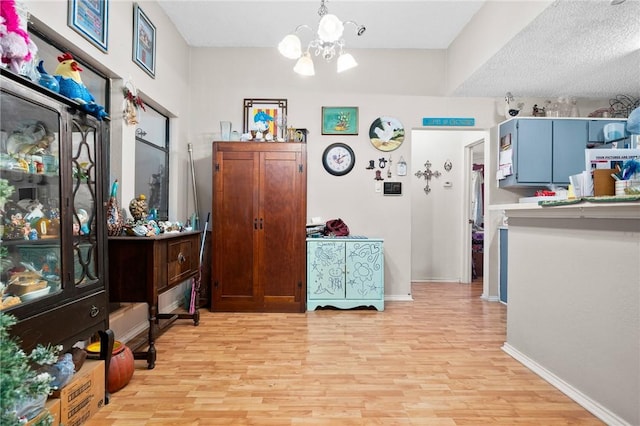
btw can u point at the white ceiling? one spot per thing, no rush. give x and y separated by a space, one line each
582 48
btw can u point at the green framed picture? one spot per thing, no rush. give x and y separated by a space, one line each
339 120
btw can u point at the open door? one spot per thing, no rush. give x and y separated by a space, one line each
473 234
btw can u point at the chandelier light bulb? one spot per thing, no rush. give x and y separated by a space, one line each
330 28
304 66
290 47
346 62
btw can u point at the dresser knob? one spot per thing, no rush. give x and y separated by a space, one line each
181 258
94 311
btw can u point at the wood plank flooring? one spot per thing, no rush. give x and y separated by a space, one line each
434 361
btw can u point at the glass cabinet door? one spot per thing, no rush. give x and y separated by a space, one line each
84 135
30 190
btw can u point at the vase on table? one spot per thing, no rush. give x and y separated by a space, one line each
115 219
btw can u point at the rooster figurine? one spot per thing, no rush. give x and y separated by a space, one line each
68 75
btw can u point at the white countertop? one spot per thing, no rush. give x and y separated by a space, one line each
585 209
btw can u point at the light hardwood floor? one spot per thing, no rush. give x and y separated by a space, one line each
434 361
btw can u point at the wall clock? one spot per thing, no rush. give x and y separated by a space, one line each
338 159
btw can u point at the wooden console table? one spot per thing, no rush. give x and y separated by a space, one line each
142 268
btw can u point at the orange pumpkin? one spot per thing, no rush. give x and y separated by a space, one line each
121 367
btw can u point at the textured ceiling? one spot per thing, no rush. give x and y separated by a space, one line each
585 48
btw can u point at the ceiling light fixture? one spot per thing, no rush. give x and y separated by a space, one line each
328 43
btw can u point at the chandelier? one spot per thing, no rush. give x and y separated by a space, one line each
328 43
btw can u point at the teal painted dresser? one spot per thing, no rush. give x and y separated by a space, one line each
345 272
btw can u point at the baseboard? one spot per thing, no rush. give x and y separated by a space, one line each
398 298
589 404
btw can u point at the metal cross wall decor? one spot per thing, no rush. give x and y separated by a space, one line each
427 174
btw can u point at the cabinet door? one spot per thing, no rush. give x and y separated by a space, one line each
534 151
31 255
596 129
87 222
364 270
281 231
326 269
234 226
569 143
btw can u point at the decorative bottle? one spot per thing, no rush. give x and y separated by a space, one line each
115 220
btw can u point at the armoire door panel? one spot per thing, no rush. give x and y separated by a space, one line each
234 222
281 238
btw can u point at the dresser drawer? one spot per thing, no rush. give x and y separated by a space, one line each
182 258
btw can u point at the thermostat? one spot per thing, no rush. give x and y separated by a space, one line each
392 188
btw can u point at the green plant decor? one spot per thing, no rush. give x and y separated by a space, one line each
19 381
5 191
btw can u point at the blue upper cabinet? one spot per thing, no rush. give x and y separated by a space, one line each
569 143
534 151
546 151
596 131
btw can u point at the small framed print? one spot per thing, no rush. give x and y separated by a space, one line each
144 41
339 120
266 116
90 18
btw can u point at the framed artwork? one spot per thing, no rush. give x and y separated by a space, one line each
266 116
386 133
339 120
90 18
144 41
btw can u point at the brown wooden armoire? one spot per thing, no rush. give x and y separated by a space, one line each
259 227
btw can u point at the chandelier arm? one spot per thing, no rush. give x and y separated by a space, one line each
360 29
301 27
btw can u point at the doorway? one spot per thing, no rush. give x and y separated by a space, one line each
474 205
441 235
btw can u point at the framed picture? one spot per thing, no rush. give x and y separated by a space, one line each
386 133
339 120
90 18
144 41
266 116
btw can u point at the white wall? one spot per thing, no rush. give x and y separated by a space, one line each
438 218
222 78
168 91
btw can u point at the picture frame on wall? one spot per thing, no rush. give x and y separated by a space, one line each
144 41
340 120
266 116
90 19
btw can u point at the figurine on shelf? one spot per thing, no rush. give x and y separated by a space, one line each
139 208
115 217
68 75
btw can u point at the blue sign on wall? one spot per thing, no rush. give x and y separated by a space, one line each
448 121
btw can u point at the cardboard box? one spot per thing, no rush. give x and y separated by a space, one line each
603 183
83 396
52 407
